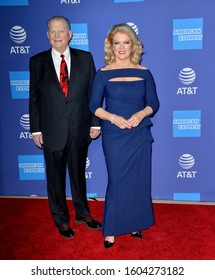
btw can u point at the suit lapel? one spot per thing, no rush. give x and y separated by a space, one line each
73 70
50 66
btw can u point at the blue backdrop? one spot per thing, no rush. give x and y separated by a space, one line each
179 50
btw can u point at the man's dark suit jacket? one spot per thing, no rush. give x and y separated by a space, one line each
53 114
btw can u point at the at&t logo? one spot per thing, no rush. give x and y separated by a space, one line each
18 35
186 161
187 76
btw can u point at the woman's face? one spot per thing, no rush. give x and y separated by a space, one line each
122 46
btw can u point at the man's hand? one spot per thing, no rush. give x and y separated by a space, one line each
38 140
94 132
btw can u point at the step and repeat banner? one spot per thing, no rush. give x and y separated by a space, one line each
179 39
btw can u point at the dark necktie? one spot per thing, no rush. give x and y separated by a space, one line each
64 78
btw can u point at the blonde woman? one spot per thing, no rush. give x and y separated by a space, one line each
130 96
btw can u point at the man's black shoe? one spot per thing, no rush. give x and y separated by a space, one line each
89 222
66 231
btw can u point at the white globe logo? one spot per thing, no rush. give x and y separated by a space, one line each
87 162
186 161
187 76
18 34
134 26
25 121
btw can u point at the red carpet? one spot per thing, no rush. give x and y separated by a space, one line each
181 232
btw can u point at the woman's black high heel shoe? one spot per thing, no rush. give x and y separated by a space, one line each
137 234
108 244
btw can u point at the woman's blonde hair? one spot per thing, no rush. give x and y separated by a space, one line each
137 49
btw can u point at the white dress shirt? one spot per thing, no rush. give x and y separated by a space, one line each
57 60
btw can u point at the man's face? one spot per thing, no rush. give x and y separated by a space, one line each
59 35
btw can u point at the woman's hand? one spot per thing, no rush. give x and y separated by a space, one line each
136 118
121 122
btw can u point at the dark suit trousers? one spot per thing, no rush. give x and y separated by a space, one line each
74 157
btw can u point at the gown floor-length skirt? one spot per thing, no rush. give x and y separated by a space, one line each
128 203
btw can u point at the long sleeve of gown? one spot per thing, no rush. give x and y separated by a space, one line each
97 92
151 93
